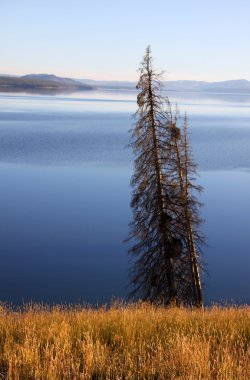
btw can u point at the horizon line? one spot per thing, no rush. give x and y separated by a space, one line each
122 80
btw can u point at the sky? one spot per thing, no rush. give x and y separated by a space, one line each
106 39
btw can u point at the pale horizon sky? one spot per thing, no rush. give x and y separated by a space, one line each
105 40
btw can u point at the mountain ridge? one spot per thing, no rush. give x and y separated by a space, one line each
51 82
228 86
48 82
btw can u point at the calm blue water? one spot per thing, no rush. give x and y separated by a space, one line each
64 195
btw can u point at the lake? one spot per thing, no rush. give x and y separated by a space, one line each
65 170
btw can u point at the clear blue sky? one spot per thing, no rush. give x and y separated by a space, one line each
105 39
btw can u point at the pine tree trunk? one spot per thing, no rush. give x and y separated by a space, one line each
189 231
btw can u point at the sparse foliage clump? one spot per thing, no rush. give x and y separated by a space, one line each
165 227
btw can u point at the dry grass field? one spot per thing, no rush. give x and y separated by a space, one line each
136 341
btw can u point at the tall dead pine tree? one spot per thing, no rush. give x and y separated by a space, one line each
188 220
162 213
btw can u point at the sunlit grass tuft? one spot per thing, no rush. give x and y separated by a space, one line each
137 341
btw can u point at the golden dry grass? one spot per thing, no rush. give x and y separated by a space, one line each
136 341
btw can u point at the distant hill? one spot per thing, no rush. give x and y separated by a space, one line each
41 82
229 86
